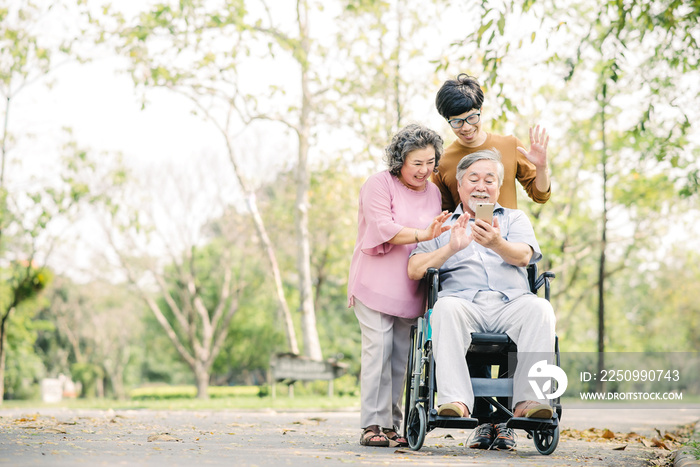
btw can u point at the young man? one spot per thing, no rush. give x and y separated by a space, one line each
460 103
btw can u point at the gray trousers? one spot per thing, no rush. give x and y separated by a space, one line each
385 346
528 320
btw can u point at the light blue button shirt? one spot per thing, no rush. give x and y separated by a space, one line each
478 268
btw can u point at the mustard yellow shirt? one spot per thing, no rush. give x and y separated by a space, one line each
515 164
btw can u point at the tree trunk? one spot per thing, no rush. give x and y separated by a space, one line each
116 378
3 342
312 345
267 246
3 350
600 385
201 374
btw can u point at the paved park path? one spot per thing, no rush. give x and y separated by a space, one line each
62 437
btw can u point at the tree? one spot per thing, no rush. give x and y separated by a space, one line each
300 46
26 216
195 52
637 63
384 83
191 285
101 323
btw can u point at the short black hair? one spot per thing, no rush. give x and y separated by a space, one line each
460 95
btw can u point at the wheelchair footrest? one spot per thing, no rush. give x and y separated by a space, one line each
534 424
453 422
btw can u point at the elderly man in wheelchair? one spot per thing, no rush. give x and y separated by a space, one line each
484 288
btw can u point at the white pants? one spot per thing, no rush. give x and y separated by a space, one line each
528 320
385 346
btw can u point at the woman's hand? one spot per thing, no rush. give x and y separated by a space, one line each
435 228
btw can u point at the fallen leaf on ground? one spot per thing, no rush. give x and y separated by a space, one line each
54 430
660 443
162 437
415 453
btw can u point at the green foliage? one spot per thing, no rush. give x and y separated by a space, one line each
93 334
635 57
694 448
644 50
185 392
333 229
159 362
254 334
23 367
88 374
345 386
27 281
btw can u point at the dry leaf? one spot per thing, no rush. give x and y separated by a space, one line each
620 448
607 434
26 419
659 443
415 453
162 437
671 437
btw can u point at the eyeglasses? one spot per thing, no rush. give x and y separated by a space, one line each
472 119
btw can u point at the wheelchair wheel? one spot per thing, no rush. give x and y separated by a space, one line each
417 427
546 440
409 395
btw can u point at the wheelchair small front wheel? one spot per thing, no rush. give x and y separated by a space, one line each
417 427
546 440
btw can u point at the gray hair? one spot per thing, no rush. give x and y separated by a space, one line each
485 154
408 139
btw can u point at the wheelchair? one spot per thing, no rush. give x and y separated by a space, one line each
492 396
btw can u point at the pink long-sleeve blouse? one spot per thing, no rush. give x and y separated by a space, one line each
378 272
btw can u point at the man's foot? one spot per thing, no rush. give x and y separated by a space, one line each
532 409
395 441
371 436
453 409
505 438
482 436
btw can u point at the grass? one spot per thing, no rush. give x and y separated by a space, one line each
694 449
220 398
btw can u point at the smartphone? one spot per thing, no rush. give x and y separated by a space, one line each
484 211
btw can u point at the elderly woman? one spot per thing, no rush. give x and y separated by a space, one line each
398 208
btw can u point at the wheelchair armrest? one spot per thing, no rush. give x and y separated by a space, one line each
537 282
544 279
432 277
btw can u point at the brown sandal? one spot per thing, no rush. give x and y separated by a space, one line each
371 436
395 441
